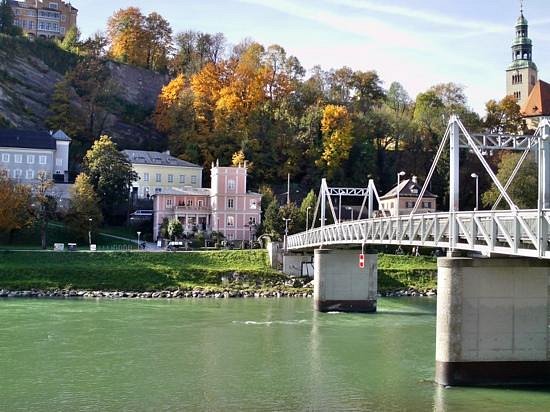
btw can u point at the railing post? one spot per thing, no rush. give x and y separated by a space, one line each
454 183
544 188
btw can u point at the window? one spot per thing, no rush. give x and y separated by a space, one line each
42 160
53 6
63 29
5 157
18 158
145 177
30 174
230 221
63 18
253 204
30 159
158 190
200 203
168 202
170 178
193 179
231 184
59 162
230 203
158 178
182 178
189 202
17 173
426 205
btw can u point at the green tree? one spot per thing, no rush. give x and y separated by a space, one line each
44 204
111 175
84 206
272 223
307 209
523 189
7 19
175 229
71 41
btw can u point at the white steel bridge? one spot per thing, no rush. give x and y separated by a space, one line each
513 232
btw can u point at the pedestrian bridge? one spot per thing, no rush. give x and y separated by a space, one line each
518 233
493 324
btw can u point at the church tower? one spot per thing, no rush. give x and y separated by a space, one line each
522 74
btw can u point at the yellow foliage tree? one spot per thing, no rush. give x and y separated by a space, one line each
83 207
167 102
128 37
336 127
15 205
206 86
238 158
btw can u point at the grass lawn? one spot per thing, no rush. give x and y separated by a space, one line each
131 271
399 271
29 239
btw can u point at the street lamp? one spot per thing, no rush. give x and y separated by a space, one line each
285 245
399 175
307 218
476 177
90 232
139 234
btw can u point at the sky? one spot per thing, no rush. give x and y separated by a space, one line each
417 43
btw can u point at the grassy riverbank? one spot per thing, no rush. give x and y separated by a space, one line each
401 272
133 271
142 271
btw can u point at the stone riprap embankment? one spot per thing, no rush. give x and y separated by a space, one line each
165 294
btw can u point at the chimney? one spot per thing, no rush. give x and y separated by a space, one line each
414 179
167 152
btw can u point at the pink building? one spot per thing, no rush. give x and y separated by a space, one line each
226 207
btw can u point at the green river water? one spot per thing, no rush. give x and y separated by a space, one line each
242 354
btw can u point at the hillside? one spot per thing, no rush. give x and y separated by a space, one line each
29 71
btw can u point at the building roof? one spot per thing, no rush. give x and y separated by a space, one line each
186 191
538 103
145 157
27 139
408 187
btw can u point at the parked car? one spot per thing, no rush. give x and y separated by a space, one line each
174 246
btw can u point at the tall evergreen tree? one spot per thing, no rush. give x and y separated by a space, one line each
7 19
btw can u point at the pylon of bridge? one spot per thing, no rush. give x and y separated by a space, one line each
493 314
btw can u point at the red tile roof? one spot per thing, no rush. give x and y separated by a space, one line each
538 103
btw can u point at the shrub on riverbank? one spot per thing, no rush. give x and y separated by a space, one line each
136 271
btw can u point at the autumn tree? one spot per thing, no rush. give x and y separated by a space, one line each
158 34
337 138
110 174
127 36
15 205
84 213
140 40
504 116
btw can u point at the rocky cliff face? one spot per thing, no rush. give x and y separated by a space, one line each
28 76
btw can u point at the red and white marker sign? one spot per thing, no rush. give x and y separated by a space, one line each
361 261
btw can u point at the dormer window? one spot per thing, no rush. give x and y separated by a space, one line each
54 6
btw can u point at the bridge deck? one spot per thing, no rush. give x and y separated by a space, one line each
520 233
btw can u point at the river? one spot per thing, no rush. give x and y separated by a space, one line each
238 354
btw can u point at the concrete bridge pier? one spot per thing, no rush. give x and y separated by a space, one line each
340 285
493 321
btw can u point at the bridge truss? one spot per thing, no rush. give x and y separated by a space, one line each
512 232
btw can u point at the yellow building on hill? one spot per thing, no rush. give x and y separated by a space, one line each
44 18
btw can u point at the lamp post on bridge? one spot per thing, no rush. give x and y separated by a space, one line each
307 218
351 211
399 175
285 243
476 177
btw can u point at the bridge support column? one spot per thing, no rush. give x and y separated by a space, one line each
493 321
340 285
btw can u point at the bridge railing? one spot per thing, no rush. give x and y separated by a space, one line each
522 233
